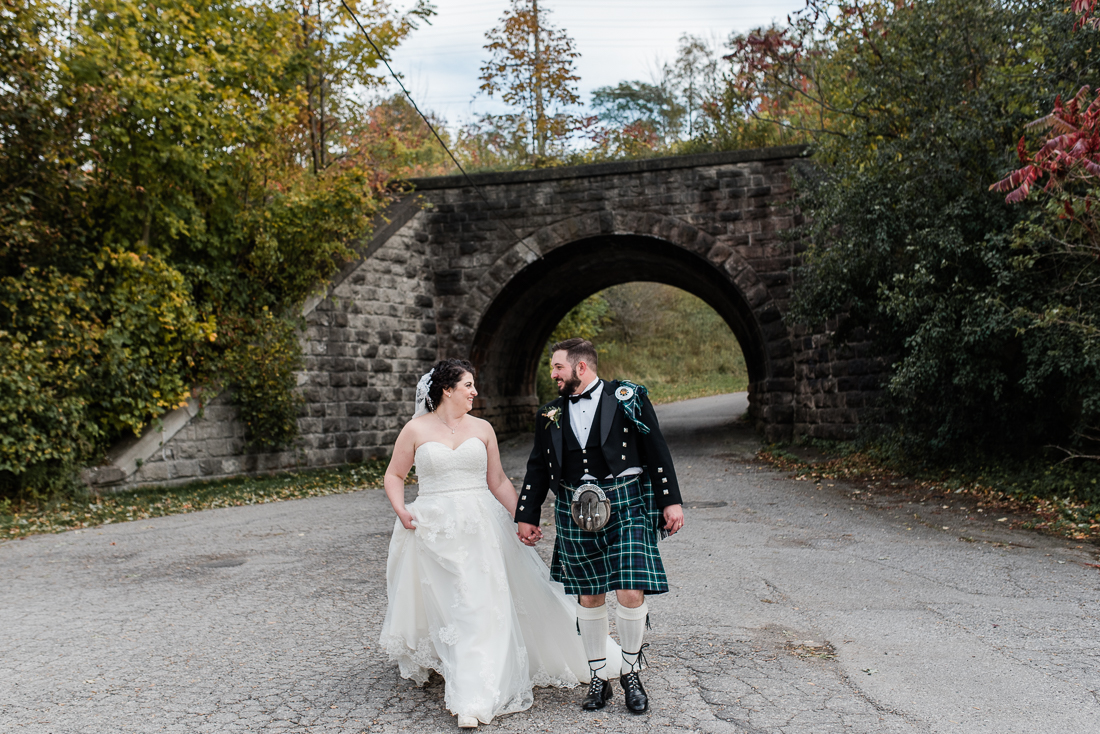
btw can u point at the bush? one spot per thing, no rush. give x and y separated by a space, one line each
907 242
163 181
264 363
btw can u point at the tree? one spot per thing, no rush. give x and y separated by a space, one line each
914 110
696 72
338 65
531 68
171 185
653 107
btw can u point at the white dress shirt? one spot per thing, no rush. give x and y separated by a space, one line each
581 415
582 412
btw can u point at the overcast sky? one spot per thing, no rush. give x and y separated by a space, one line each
618 40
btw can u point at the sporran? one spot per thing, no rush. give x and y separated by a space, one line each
590 508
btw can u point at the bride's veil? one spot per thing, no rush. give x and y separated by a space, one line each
423 402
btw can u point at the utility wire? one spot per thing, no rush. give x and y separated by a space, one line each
431 127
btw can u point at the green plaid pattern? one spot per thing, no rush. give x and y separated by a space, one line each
623 555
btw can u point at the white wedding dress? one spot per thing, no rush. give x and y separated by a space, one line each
469 600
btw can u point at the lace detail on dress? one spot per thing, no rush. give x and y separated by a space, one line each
415 664
448 635
443 470
470 601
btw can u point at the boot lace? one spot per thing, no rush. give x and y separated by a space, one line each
636 666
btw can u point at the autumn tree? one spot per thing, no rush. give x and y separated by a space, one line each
175 179
531 68
337 65
643 111
914 109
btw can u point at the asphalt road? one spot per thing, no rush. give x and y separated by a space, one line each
793 609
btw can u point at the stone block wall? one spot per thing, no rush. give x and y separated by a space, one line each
836 389
365 345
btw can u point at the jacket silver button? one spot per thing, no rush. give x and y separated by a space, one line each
664 480
666 491
523 497
624 444
626 430
660 470
521 507
624 458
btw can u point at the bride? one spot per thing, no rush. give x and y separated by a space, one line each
466 597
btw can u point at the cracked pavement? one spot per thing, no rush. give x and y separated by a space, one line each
793 609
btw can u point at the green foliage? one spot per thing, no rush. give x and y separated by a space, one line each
657 335
42 370
263 359
638 104
149 326
87 356
168 172
925 104
670 341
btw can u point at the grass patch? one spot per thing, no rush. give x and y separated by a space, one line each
86 510
1059 498
666 339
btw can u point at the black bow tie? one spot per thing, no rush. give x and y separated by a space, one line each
582 396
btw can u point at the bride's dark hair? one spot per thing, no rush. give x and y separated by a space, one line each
445 375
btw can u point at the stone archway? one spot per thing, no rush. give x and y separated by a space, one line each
516 323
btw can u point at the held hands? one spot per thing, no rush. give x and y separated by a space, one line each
674 518
529 534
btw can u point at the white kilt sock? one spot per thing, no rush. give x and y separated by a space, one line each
631 626
592 623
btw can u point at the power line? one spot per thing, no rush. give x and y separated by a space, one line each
432 128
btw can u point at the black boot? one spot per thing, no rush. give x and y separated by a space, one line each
637 702
599 691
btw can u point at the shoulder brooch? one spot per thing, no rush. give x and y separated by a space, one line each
629 395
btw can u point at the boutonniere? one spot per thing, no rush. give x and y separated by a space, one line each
553 416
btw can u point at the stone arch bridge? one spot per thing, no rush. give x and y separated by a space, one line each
448 273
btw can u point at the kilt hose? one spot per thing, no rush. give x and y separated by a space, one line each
623 555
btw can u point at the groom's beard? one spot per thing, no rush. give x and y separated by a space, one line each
568 387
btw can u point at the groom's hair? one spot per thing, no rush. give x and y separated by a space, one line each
577 350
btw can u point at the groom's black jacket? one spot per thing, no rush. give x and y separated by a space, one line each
622 445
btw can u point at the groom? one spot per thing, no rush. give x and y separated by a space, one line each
603 433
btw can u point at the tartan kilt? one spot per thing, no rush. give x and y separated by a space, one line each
623 555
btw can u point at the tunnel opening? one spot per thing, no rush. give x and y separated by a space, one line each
657 335
509 340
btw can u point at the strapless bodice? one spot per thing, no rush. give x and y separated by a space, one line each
439 468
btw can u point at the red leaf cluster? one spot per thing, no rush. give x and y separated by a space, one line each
1072 153
1085 10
